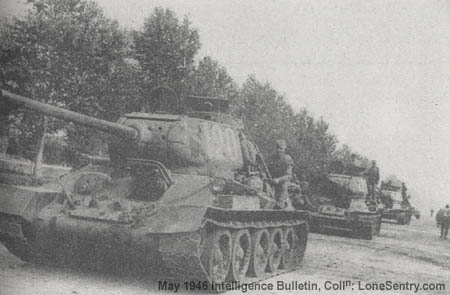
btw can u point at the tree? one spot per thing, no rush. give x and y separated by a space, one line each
347 156
266 114
67 53
269 117
315 146
165 50
211 79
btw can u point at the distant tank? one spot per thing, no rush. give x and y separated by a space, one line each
395 207
174 192
338 205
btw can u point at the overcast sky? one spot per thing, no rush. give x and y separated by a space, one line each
378 71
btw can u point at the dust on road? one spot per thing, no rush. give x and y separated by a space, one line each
413 254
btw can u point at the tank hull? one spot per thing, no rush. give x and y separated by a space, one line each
339 207
402 217
364 225
42 229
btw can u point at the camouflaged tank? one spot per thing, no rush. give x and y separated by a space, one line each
173 192
338 204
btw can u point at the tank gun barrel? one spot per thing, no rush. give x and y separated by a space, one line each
60 113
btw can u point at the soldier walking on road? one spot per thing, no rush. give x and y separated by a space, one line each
281 166
373 176
445 222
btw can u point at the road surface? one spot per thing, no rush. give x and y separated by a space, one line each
402 256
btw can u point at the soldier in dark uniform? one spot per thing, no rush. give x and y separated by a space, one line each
281 165
373 176
445 221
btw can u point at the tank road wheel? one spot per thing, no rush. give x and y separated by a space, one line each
276 244
290 240
219 255
260 252
240 257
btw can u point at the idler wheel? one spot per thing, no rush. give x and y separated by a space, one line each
276 244
219 255
290 241
260 252
240 257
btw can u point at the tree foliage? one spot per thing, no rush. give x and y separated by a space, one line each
67 53
165 49
209 78
269 117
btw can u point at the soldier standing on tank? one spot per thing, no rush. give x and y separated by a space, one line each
281 166
373 177
404 189
249 154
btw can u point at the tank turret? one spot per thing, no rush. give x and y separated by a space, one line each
201 143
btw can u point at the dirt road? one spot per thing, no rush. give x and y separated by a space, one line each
402 255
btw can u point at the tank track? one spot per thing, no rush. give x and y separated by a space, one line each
366 227
186 255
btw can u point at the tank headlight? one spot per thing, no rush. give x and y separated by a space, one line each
218 185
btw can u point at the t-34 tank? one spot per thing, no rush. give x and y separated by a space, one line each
167 195
337 204
395 206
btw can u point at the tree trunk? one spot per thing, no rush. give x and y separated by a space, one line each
37 169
